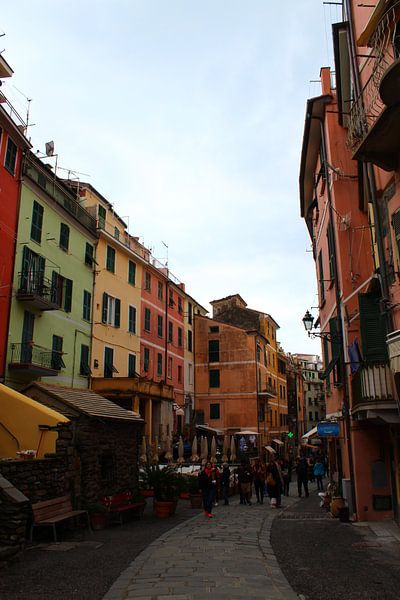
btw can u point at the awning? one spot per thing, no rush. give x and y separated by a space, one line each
270 449
210 429
279 442
312 433
247 432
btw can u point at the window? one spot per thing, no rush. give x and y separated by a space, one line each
159 364
280 391
331 250
261 412
214 378
116 233
316 416
89 255
132 319
321 277
146 360
214 329
160 292
159 326
131 365
190 341
87 301
147 281
132 272
190 374
37 222
180 309
258 353
147 319
373 329
109 368
170 332
102 216
169 371
56 353
64 237
190 313
111 310
61 291
84 368
171 301
110 260
214 411
11 156
213 350
310 418
265 357
179 374
180 337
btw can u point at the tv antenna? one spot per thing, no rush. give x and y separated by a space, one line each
166 263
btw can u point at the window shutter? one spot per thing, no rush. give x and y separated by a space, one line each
104 311
321 277
117 320
396 227
68 295
329 233
54 288
373 329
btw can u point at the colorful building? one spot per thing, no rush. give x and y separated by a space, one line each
50 319
13 144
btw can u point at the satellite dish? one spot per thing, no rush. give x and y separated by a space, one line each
49 148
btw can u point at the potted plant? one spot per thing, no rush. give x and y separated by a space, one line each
196 498
164 482
183 486
98 514
144 482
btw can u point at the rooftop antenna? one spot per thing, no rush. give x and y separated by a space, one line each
166 263
29 100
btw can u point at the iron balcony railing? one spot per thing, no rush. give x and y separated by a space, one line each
36 284
385 49
30 354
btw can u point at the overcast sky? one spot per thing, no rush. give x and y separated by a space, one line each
188 117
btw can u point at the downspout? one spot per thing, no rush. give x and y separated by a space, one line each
256 371
346 407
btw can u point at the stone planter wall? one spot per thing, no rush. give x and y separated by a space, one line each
14 515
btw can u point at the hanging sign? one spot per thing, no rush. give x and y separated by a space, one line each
328 429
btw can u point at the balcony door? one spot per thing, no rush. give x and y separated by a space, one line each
27 337
32 273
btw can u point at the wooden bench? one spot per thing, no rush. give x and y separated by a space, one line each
120 503
51 512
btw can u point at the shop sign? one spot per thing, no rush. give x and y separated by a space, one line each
328 429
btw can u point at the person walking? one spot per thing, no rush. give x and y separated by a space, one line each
225 482
274 482
245 477
207 484
259 480
319 472
302 475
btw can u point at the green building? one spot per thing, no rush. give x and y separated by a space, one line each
51 313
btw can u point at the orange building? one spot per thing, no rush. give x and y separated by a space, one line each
236 366
350 200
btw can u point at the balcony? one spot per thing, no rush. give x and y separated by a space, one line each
37 291
30 358
372 389
374 127
268 392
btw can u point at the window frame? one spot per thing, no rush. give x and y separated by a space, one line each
10 166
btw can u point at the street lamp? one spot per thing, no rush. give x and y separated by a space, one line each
308 322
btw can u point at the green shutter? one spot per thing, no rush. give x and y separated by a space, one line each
331 250
104 310
117 320
68 295
321 277
373 329
64 236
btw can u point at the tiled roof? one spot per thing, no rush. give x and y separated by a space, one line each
87 402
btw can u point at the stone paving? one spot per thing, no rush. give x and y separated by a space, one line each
227 557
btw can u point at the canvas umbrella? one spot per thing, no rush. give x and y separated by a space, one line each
233 449
213 450
204 448
194 457
155 452
181 458
225 449
143 451
168 449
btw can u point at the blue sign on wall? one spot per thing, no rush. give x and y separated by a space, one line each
328 429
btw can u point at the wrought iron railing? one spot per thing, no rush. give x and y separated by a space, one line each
28 353
366 109
36 284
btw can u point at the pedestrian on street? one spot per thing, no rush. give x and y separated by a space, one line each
274 483
259 480
302 475
216 475
225 482
319 472
207 485
245 477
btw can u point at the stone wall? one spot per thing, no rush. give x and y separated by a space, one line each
14 514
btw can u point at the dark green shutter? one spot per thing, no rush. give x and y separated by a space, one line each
117 312
396 227
321 277
373 329
68 295
54 288
64 236
104 310
331 250
26 254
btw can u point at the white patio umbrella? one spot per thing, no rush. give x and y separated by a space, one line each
181 458
195 456
143 451
204 448
155 451
213 450
168 453
233 449
225 449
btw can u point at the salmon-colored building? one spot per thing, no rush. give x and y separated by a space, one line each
13 144
237 387
350 200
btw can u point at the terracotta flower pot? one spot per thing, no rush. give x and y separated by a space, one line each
147 493
163 508
98 520
337 503
196 500
184 495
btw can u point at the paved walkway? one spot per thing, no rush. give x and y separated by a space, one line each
227 557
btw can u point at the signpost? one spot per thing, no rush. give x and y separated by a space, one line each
328 429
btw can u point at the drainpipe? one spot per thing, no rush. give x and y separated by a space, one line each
346 406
